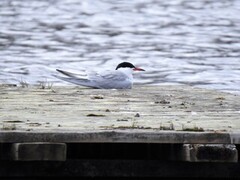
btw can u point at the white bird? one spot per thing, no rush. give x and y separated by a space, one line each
120 78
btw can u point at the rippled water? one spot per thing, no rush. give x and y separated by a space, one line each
194 42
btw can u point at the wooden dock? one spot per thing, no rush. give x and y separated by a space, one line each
190 124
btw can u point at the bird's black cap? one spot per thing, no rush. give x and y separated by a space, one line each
124 65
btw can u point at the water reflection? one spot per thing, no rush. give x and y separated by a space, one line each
177 41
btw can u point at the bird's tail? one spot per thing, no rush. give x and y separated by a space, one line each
82 75
77 81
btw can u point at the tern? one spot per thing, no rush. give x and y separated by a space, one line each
120 78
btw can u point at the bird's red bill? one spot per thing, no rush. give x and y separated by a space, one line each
138 69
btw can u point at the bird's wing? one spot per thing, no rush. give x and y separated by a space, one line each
110 80
103 80
107 76
78 81
83 74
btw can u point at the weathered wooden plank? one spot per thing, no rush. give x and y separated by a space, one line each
163 114
113 136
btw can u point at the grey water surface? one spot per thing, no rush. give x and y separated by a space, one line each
194 42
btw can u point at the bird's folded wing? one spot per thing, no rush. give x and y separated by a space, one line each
70 74
108 76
